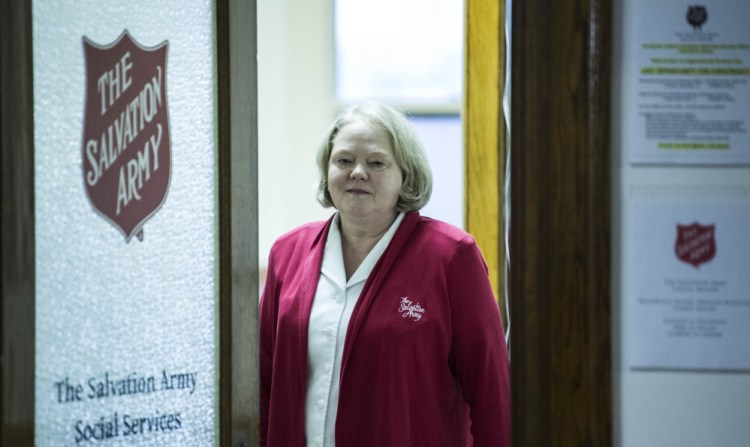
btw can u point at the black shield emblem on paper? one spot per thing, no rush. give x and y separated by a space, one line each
126 143
697 16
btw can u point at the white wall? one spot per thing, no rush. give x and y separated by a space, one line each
295 107
666 408
296 104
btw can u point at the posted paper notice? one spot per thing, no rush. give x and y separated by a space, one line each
687 87
686 284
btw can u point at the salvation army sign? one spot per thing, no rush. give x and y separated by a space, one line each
695 243
126 145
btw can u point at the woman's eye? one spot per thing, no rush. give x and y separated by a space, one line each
377 164
343 161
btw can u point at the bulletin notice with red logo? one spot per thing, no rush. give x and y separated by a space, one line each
686 82
686 284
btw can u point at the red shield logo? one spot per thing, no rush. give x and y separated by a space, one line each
695 243
126 144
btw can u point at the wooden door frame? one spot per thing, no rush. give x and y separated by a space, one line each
17 239
238 216
558 278
560 223
484 135
237 68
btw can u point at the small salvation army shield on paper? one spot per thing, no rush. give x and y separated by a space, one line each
695 243
126 145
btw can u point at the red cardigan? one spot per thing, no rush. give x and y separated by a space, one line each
424 363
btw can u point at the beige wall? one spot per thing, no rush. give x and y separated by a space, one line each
295 106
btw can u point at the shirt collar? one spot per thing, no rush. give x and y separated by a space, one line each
333 258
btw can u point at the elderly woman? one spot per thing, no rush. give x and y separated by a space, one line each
378 327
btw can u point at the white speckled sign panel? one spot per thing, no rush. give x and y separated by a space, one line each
126 327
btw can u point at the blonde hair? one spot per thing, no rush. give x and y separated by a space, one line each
407 150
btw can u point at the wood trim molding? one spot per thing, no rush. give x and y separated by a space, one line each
17 239
238 222
560 223
484 134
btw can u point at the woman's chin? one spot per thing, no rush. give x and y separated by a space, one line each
365 213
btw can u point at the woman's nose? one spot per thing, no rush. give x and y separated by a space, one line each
359 172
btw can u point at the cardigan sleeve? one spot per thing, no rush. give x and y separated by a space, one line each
267 331
479 355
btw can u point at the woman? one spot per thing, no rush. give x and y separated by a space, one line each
378 327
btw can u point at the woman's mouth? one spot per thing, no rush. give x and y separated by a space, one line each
357 191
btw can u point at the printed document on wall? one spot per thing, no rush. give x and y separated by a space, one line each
686 89
686 284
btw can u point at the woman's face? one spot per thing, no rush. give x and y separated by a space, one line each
364 179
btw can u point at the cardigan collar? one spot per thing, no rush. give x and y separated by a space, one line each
333 258
378 275
374 281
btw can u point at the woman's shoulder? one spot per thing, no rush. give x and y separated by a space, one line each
440 231
420 234
303 230
307 232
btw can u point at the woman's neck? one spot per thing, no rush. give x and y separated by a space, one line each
359 238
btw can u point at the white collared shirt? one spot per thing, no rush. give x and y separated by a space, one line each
331 311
